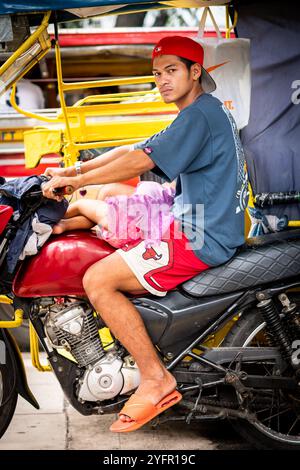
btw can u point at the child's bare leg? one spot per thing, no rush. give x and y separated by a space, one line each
74 223
76 208
83 214
115 189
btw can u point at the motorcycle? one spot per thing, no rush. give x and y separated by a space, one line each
230 336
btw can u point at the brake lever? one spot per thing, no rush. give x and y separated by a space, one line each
35 193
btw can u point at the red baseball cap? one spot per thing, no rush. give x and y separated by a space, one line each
188 49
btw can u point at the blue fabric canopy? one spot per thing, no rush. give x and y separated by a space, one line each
271 140
70 10
28 6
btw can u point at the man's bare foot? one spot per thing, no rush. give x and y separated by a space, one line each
154 390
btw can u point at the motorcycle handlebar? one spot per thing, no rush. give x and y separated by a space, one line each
64 190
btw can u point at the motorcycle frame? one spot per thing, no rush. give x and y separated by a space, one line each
60 363
247 298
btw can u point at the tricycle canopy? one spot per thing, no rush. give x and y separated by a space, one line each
66 10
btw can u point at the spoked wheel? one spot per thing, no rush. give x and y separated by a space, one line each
277 424
8 395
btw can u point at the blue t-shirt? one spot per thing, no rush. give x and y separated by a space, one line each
202 149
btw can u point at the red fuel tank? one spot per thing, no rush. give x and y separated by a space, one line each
58 269
5 214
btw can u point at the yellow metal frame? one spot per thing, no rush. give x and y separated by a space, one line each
35 352
78 127
116 96
5 300
18 320
70 131
294 223
73 130
227 20
37 35
34 342
216 339
72 145
92 122
23 111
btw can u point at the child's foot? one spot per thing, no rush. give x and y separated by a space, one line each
58 228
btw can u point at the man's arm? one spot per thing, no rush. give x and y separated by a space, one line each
99 161
127 166
124 167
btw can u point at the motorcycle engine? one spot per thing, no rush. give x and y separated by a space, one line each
104 374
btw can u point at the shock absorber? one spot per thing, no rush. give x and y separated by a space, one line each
291 313
277 334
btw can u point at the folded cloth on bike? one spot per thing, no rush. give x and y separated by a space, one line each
262 223
49 212
41 233
146 214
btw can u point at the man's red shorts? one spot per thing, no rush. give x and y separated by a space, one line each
163 267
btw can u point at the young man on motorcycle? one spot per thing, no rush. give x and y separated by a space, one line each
201 148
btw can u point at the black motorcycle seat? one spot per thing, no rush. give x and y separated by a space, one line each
260 261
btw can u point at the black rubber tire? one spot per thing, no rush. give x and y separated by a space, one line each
237 337
20 334
6 384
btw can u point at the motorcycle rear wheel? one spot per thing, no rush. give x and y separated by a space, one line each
271 431
8 396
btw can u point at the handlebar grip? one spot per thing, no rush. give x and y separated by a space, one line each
62 191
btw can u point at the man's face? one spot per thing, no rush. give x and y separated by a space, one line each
172 77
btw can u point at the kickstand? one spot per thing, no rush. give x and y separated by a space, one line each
194 409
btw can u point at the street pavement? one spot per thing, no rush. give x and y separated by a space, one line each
57 426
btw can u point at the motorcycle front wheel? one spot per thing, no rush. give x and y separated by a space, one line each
277 424
8 393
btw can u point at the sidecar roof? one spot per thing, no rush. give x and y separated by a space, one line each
68 10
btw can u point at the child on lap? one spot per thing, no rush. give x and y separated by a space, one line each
143 212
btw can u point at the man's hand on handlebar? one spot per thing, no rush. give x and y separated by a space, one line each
57 186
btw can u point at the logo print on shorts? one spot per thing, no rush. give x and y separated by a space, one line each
150 253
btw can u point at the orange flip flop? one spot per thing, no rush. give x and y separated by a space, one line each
141 411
